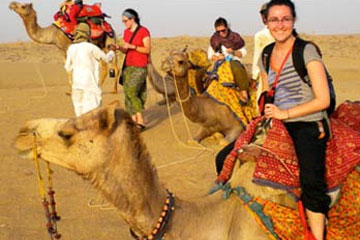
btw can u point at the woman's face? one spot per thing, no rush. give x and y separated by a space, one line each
222 31
127 21
280 22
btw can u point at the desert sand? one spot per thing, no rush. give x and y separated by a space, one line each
33 83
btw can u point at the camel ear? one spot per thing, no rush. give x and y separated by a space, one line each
172 52
30 5
107 119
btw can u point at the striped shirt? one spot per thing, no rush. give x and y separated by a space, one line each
291 90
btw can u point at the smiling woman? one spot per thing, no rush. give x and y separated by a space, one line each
301 107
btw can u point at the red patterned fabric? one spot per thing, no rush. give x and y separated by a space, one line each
349 113
97 30
344 217
277 163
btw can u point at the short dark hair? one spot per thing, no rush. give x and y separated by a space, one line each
221 22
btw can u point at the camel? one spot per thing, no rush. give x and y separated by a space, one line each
157 81
54 36
211 116
105 147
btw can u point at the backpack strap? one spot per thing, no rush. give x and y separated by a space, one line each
298 59
266 56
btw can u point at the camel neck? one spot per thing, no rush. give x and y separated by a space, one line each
35 32
139 196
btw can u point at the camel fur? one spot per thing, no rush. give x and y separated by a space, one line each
105 147
54 36
211 116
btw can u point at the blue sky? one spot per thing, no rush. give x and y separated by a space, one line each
166 18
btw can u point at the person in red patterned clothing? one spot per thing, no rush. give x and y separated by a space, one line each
75 9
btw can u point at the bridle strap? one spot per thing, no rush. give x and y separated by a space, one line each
160 228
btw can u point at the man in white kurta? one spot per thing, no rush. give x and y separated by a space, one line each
261 40
82 59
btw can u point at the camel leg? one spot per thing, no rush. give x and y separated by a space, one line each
117 71
201 134
103 72
70 84
232 135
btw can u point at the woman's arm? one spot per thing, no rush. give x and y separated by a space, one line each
146 49
238 53
213 56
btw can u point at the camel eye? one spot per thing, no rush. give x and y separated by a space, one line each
181 62
65 135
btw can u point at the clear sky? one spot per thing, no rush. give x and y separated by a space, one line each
166 18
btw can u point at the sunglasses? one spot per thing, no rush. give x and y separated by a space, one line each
126 20
222 30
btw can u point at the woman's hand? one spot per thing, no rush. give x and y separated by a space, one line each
230 51
113 47
126 45
272 111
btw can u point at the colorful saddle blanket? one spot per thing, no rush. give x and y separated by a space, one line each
344 217
92 14
223 90
277 164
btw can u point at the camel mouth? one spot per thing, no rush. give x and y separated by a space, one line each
26 154
13 5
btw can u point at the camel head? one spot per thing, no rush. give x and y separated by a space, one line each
23 9
82 144
176 64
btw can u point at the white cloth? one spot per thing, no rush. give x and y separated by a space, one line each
82 59
84 101
211 52
262 39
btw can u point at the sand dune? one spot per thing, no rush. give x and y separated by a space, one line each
33 84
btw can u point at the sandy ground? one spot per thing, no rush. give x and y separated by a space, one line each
33 85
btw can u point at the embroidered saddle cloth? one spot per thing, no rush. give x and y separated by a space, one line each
92 14
277 164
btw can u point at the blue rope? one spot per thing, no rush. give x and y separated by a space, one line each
248 200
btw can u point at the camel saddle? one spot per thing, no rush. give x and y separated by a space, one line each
276 161
91 14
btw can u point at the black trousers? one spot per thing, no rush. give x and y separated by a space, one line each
220 157
310 151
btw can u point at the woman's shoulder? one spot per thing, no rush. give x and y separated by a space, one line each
311 53
144 30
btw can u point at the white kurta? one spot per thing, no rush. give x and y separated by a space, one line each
82 59
261 39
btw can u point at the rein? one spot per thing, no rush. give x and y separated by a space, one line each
50 214
186 99
159 230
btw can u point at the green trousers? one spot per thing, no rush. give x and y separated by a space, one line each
134 89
